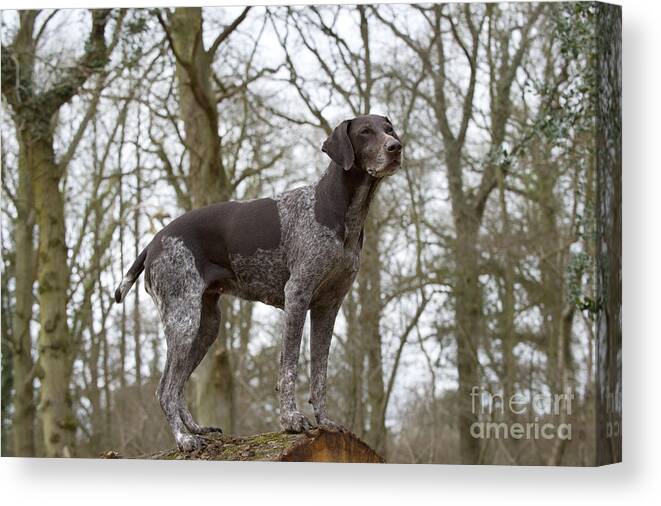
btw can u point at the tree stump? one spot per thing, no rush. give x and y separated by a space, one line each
317 445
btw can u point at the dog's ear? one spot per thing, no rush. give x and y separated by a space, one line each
338 146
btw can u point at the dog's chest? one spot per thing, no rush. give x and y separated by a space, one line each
337 281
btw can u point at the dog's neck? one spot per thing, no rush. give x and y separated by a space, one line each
342 201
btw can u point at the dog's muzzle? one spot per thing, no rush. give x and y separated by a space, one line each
387 167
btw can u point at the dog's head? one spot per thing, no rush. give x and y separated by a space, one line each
368 143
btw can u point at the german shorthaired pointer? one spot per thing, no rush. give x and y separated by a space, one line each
298 251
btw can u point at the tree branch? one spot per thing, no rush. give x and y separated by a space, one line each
227 32
95 58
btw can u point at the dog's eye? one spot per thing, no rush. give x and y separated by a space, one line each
366 131
389 130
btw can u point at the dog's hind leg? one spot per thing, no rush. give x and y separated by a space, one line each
181 324
187 346
179 293
206 335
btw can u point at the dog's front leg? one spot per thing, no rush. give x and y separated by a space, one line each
297 299
323 321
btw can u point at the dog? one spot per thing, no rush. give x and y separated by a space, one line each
298 251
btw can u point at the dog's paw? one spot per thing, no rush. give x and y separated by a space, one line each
295 421
190 442
328 424
209 430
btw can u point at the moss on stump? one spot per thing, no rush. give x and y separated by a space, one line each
318 445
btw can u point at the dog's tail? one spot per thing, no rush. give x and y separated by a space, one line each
130 277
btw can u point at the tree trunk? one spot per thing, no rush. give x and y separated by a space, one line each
506 321
137 320
369 294
207 179
59 424
23 363
318 445
207 184
609 234
214 388
98 432
356 358
468 313
552 269
6 370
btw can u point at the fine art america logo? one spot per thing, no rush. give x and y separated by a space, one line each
519 416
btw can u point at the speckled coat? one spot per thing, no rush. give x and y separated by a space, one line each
298 251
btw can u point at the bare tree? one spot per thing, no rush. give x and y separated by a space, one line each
34 110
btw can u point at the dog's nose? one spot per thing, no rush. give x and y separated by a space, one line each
393 146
